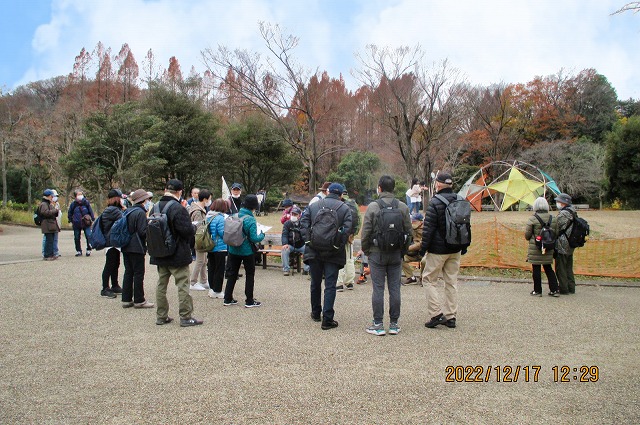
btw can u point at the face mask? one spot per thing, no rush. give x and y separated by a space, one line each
207 204
79 198
147 205
235 196
294 219
558 206
55 199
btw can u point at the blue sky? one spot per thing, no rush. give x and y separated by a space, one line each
489 41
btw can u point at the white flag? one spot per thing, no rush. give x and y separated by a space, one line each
226 193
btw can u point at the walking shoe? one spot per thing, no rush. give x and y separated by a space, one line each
350 286
286 273
50 258
108 293
534 293
328 324
376 329
214 294
435 321
164 321
315 318
192 321
411 281
205 285
362 279
79 254
394 329
88 254
116 289
145 304
232 302
555 294
340 288
451 323
252 304
197 287
127 304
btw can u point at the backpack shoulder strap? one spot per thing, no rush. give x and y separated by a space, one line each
166 206
442 199
542 223
550 219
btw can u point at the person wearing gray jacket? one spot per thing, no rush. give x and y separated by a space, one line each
564 253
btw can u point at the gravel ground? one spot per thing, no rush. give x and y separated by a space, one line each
70 356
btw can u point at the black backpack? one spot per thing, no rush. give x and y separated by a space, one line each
389 233
546 239
457 217
160 240
325 233
579 231
37 218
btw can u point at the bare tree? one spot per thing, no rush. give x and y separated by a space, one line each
10 116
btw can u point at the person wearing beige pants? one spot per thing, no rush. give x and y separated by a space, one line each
449 265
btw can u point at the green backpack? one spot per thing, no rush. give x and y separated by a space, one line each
204 241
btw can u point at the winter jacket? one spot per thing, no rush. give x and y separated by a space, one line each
49 214
434 227
182 229
291 234
250 229
234 205
565 219
370 227
344 224
534 254
110 215
196 212
414 248
77 210
137 223
216 227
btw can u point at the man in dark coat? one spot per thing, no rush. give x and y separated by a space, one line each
176 265
440 258
49 223
326 263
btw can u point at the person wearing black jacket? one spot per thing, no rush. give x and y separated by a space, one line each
292 241
110 215
134 253
177 264
440 258
329 263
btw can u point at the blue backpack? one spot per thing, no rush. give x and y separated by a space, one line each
119 234
97 239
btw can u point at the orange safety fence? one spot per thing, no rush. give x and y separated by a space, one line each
496 245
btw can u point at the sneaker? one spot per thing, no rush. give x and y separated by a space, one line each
108 293
340 288
534 293
286 273
214 294
435 321
315 318
451 323
232 302
164 321
197 287
394 329
376 329
127 304
116 290
205 285
362 279
328 324
350 286
192 321
145 304
88 254
50 258
79 254
555 294
252 304
411 281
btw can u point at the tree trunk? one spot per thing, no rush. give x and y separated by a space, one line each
4 172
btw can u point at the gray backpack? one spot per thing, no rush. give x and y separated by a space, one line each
233 231
457 222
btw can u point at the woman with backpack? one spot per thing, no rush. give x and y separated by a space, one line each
217 257
81 216
541 257
110 215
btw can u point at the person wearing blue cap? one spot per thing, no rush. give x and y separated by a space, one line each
49 223
325 228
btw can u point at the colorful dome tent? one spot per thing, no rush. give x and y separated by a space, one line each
507 183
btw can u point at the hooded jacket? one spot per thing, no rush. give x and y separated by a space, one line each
110 215
49 215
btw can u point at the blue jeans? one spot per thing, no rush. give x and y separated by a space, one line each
385 266
48 244
56 251
286 253
318 268
76 238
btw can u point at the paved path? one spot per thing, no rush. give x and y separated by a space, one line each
69 356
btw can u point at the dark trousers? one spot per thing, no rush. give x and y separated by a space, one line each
215 269
111 266
318 268
48 244
77 234
564 271
233 266
133 280
537 277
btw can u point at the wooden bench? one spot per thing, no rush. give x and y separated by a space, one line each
582 207
273 248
